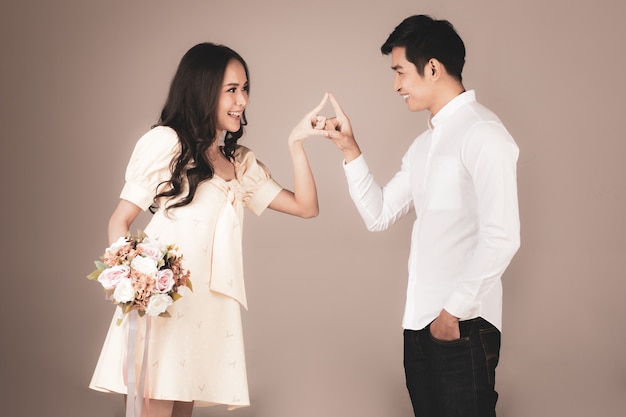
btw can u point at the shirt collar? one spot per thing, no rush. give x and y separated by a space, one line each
451 107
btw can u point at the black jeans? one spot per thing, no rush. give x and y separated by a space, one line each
455 378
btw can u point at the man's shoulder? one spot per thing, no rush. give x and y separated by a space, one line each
422 140
478 112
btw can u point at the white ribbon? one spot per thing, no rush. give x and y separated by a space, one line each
227 262
135 396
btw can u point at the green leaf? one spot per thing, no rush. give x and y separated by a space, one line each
176 296
188 285
165 314
95 274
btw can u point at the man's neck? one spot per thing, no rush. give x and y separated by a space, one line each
446 94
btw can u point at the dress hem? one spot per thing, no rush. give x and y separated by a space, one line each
196 403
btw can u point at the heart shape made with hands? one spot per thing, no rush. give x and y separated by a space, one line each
320 122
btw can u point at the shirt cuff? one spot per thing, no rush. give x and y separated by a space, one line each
137 195
459 307
356 168
264 196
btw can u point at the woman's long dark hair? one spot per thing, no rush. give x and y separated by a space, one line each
191 110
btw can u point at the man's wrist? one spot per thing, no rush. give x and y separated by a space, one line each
350 155
449 317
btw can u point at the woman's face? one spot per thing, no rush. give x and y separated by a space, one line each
233 98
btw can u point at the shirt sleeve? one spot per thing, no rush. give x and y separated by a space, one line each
380 207
490 156
260 188
149 165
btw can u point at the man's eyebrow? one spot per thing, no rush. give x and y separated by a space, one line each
396 67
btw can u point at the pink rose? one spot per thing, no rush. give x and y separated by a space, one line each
110 277
150 250
164 281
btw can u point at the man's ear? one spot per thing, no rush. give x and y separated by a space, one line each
434 68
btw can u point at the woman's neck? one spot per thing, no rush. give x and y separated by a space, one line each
222 166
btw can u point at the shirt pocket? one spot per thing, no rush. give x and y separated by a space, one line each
444 184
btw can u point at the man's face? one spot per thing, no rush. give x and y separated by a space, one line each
416 90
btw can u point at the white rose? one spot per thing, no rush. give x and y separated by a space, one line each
124 292
158 304
144 265
117 244
156 243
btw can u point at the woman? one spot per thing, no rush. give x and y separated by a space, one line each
190 171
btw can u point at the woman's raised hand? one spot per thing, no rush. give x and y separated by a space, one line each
312 124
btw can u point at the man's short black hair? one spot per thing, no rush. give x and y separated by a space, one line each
424 38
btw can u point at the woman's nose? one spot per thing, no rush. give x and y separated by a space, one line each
242 99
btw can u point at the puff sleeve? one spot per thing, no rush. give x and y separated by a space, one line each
259 186
149 165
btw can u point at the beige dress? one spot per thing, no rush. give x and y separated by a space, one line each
197 354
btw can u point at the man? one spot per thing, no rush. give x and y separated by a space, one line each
459 177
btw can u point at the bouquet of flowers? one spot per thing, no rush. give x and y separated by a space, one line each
139 273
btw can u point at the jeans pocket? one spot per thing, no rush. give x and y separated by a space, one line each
450 343
412 345
490 339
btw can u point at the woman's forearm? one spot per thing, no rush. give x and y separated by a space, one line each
305 191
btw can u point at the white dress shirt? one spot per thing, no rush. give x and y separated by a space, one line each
459 177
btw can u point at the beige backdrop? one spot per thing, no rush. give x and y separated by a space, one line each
82 80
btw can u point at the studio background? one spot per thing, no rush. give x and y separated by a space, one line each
82 81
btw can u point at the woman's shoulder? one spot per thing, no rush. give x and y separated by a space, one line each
244 155
159 133
158 139
247 165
